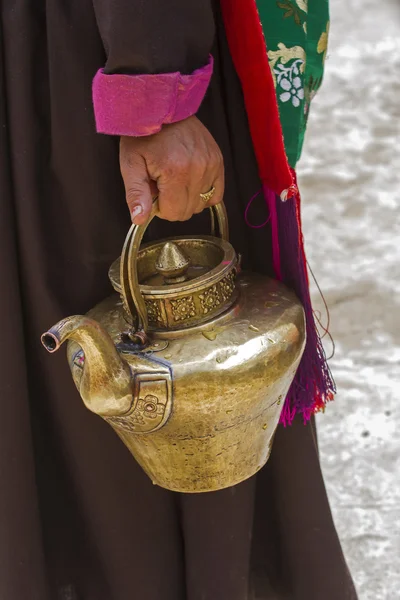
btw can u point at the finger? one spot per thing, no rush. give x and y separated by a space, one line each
172 201
216 198
137 186
173 191
219 185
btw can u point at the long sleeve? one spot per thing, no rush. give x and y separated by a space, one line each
155 36
158 63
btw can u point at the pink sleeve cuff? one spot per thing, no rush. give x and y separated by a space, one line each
138 105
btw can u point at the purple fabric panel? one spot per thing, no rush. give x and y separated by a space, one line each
138 105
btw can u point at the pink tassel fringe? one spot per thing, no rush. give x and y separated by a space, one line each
313 385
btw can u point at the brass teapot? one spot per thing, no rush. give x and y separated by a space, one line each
190 360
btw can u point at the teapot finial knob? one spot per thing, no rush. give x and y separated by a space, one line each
172 263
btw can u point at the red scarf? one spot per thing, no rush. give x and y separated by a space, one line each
313 385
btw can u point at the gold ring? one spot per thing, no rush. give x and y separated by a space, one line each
208 195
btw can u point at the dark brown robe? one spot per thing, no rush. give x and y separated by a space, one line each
78 518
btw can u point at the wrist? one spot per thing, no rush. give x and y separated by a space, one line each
139 105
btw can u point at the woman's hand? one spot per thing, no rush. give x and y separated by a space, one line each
178 164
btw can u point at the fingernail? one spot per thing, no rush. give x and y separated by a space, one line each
136 211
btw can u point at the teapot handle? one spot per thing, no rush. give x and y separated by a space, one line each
130 289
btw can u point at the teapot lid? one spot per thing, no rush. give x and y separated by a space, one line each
184 281
176 283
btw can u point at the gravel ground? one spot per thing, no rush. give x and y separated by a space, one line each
350 180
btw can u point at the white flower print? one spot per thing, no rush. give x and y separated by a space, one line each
293 91
289 80
303 4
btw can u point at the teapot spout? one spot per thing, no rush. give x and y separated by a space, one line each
106 383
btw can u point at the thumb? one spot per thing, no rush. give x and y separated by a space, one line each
137 186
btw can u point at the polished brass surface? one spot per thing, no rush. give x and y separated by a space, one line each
172 263
106 382
197 406
206 291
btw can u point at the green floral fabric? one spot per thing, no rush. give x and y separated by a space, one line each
296 33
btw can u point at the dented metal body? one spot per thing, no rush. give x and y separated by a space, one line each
195 385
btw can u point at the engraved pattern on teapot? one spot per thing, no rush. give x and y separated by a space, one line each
154 311
147 416
152 404
183 308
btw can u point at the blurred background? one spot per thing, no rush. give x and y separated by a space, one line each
350 180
